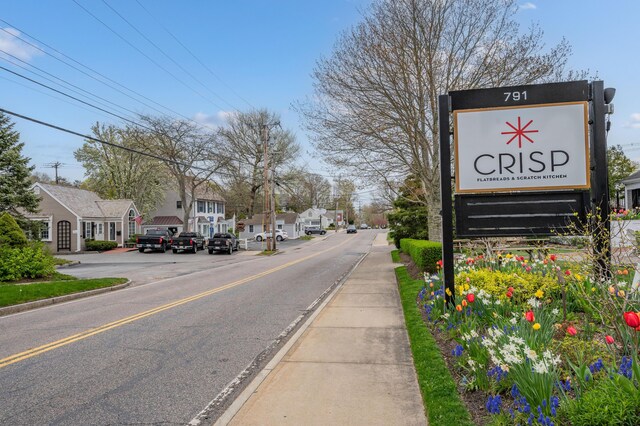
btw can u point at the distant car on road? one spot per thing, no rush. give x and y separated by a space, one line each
188 241
280 235
314 230
224 242
364 226
351 229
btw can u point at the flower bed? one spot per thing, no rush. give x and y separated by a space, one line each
546 343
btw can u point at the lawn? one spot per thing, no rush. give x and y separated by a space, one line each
13 294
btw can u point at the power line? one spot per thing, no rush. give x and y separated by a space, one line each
176 63
153 61
56 165
91 138
194 56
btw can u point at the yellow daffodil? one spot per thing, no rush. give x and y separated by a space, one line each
539 294
466 286
621 293
448 292
536 326
593 289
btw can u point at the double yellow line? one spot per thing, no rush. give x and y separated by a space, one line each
97 330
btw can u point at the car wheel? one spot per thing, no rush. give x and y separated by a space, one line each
308 233
194 248
210 251
323 232
278 238
175 250
258 238
230 249
163 249
141 250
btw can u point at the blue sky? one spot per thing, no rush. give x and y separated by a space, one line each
258 53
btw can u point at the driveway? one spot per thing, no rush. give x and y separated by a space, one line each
142 268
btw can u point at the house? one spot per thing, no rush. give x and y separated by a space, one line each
632 191
289 222
316 217
71 216
336 217
206 216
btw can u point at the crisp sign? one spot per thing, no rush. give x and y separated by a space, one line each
534 147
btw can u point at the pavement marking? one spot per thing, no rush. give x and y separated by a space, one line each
12 359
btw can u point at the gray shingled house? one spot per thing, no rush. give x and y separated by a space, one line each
72 215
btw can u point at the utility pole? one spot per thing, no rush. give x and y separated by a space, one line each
55 166
265 129
273 209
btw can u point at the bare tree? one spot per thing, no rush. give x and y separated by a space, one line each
191 155
301 190
374 112
244 145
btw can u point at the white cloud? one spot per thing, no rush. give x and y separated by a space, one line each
635 121
12 45
528 6
216 119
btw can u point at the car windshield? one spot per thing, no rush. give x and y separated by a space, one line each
156 232
351 227
188 234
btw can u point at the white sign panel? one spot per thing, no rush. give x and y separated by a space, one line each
537 147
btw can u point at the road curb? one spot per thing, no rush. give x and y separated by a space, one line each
66 265
14 309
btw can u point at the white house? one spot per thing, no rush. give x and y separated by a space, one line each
316 217
632 191
206 215
290 222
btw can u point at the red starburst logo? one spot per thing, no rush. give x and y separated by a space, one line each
519 132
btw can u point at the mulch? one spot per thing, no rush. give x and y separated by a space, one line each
473 400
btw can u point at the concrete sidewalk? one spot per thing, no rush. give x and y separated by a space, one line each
351 365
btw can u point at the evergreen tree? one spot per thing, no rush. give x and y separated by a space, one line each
15 173
410 216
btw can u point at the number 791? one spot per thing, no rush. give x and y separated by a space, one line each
515 96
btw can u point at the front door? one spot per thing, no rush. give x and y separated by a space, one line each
64 235
112 231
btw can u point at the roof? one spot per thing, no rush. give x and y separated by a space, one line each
632 177
164 221
86 203
202 219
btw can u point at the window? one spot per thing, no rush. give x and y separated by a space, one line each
88 230
45 230
210 206
251 229
220 208
132 222
279 226
179 204
202 206
100 229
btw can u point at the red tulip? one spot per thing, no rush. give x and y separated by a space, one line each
553 257
572 331
509 294
608 339
567 272
632 319
471 298
510 289
529 316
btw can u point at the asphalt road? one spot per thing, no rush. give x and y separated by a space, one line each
159 352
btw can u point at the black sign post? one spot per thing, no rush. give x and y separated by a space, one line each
512 208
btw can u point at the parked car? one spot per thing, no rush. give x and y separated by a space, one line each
154 239
364 226
280 235
224 242
314 230
351 229
191 241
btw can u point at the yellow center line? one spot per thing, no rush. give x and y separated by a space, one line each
97 330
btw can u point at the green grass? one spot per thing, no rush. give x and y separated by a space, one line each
439 394
59 261
12 294
395 256
306 237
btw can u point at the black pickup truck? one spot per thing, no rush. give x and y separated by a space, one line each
154 239
191 241
224 242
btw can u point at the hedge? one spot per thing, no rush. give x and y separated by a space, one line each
93 245
425 254
25 262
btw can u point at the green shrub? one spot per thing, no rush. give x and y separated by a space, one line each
93 245
32 261
11 235
604 404
425 254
